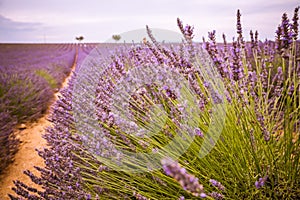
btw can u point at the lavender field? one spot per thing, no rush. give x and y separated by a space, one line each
190 120
30 74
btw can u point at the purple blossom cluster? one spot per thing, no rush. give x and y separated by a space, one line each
251 69
187 181
216 195
139 196
261 182
217 184
287 32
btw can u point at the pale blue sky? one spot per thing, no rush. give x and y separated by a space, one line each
97 20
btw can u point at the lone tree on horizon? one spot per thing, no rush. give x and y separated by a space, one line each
116 37
80 38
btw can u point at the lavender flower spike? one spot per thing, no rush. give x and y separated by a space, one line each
217 184
216 195
187 181
261 182
198 132
295 23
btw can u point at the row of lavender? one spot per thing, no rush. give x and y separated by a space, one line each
99 155
29 76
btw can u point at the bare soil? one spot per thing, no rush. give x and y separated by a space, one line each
27 157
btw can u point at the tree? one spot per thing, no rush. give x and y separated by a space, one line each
116 37
80 38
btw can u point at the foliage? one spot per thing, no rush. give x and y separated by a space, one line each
50 80
116 37
256 156
80 38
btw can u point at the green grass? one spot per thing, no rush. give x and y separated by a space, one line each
45 75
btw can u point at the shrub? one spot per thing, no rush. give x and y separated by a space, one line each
98 152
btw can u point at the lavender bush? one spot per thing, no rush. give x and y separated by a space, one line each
256 156
8 142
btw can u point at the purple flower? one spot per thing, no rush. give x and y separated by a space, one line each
198 132
203 195
187 31
261 182
139 196
238 23
217 184
187 181
239 28
284 35
295 25
216 195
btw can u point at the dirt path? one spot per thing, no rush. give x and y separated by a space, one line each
27 157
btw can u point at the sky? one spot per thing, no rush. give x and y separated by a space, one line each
51 21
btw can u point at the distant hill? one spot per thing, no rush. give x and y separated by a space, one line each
136 36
